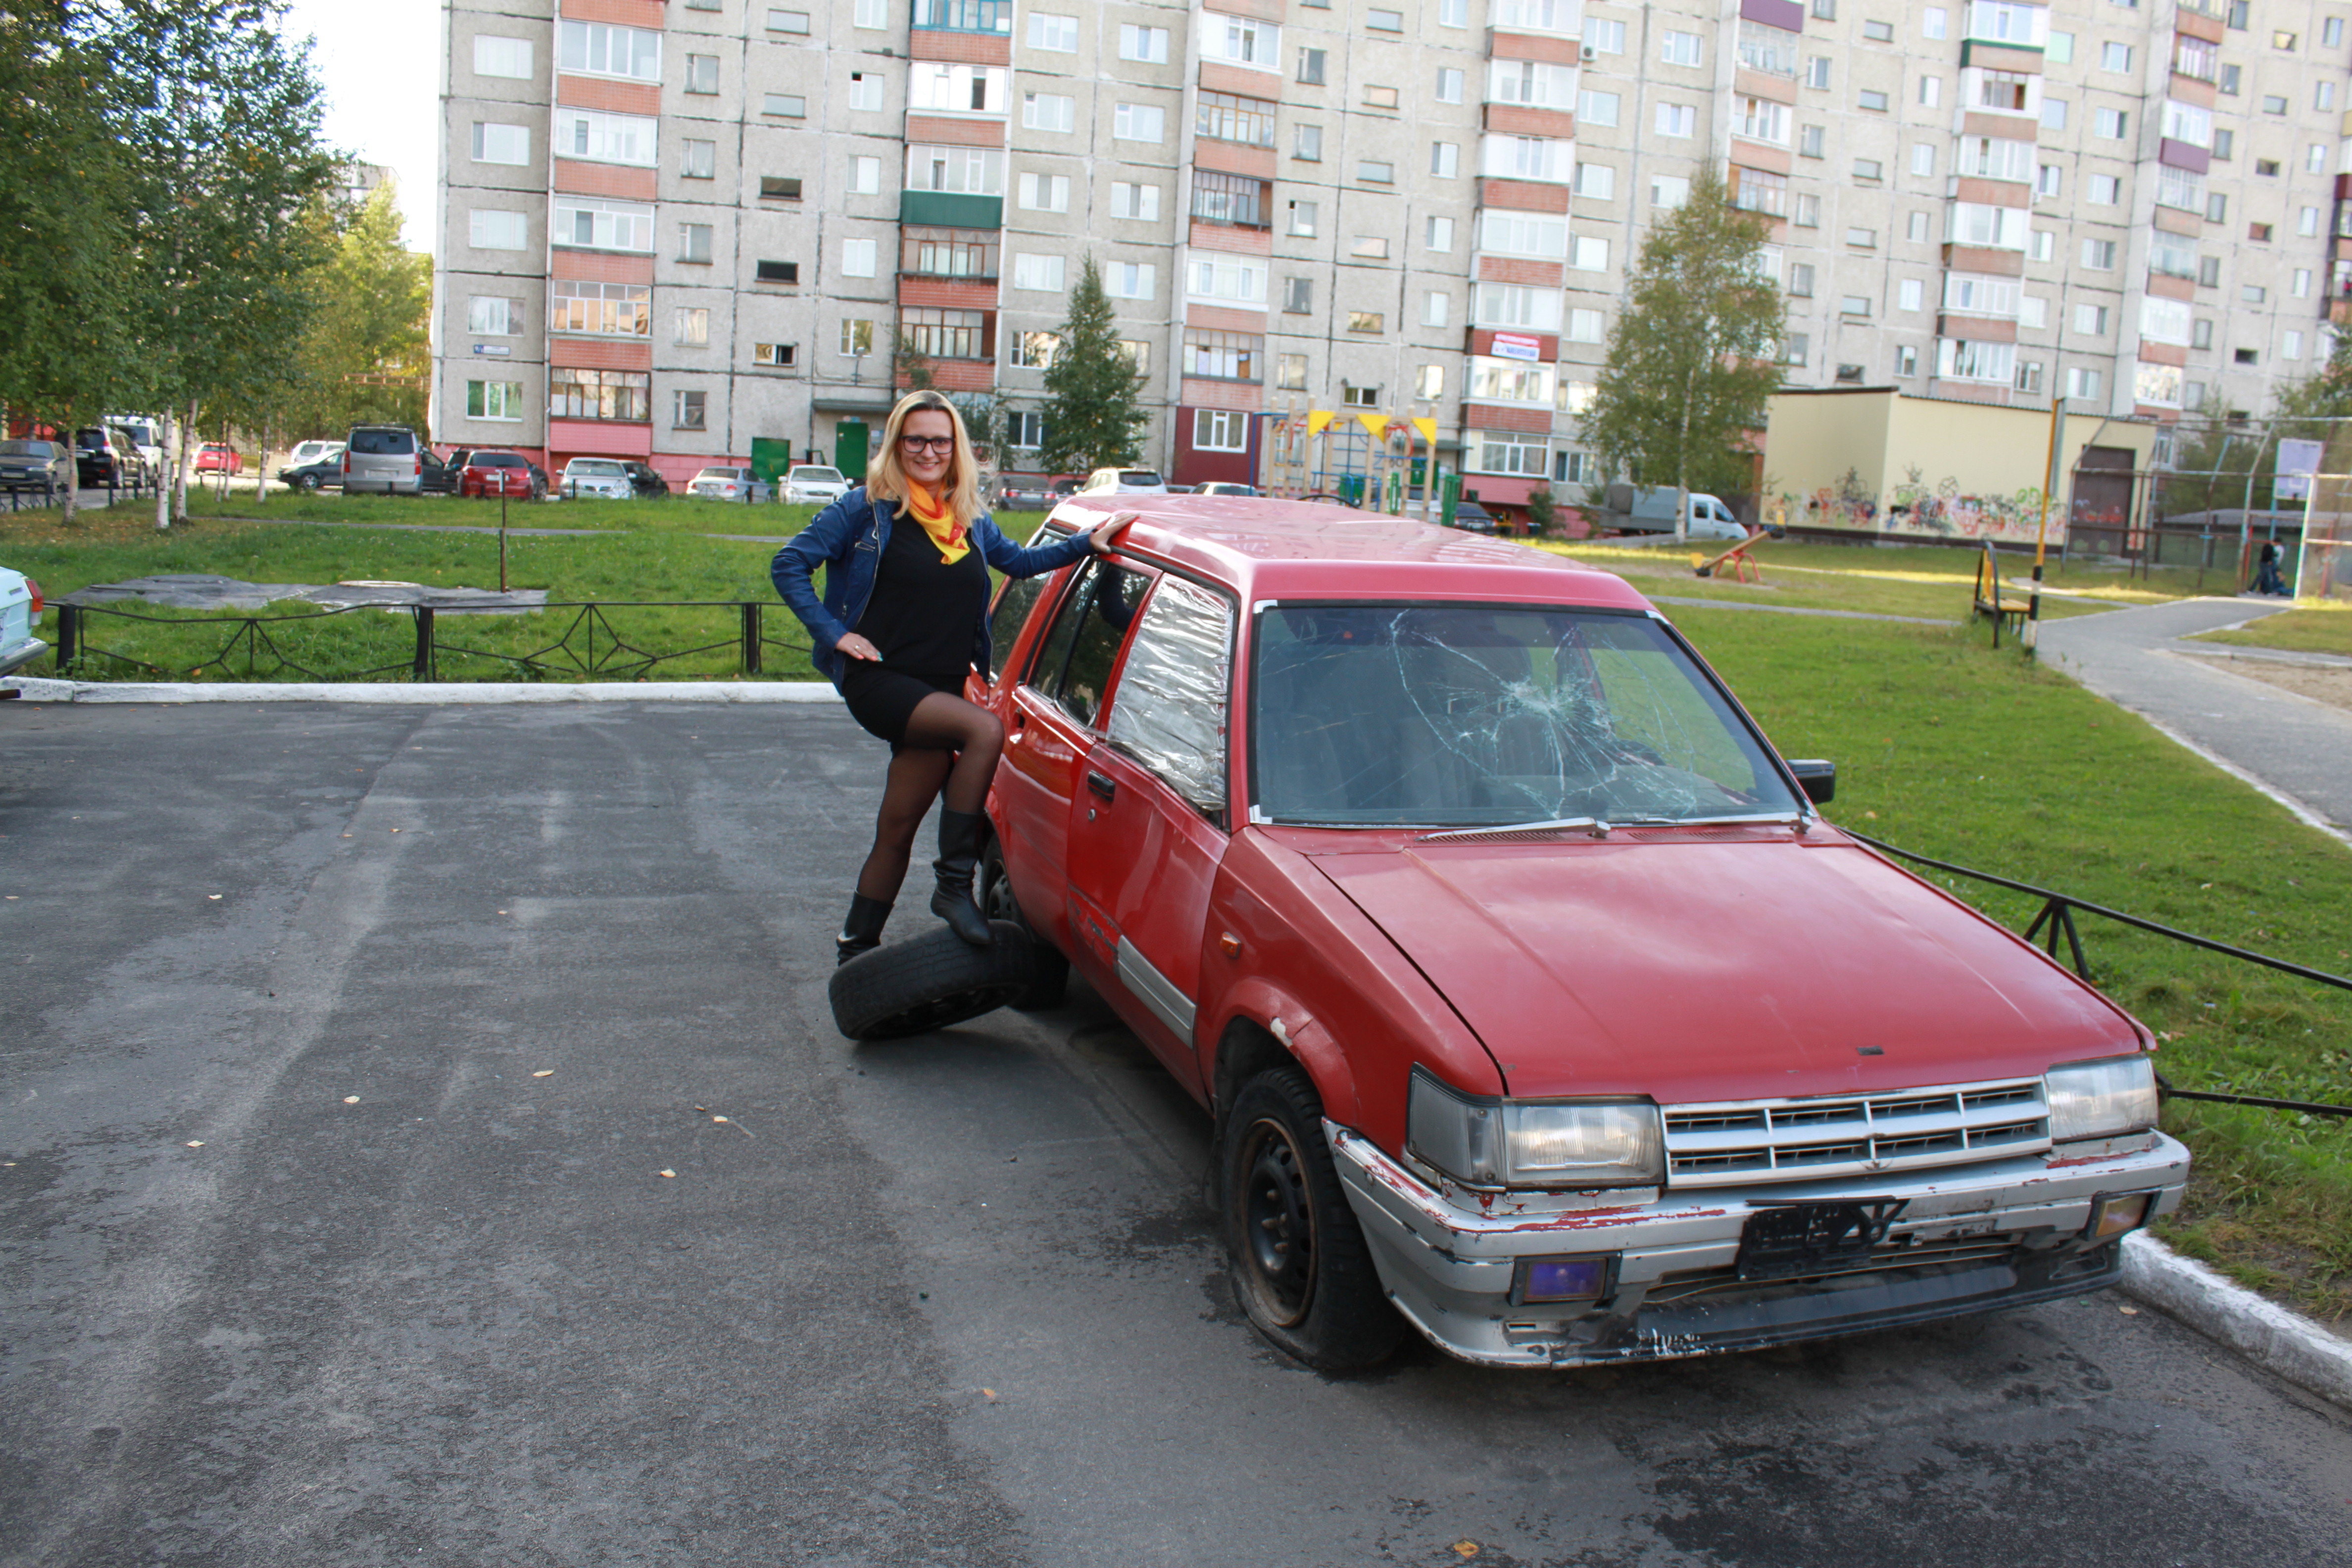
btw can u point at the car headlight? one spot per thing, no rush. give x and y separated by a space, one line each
1557 1143
2101 1098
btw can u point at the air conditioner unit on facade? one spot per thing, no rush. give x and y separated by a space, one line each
1591 54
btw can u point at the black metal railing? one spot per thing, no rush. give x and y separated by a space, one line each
591 646
2057 917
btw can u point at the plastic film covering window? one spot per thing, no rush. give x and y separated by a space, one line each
1170 710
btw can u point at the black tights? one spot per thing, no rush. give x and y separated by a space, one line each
951 745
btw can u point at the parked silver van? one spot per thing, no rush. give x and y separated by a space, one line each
386 457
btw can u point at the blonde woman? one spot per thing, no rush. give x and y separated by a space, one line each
903 620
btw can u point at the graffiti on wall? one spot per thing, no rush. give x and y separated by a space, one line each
1943 511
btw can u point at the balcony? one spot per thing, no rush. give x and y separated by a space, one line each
993 17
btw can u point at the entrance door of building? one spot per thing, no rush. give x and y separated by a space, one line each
849 449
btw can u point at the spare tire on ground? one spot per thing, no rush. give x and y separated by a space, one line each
929 981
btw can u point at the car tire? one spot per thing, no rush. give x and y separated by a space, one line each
1302 1269
1050 969
929 982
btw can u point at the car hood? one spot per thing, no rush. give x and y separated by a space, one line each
1706 971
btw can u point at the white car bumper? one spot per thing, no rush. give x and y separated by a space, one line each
1967 1238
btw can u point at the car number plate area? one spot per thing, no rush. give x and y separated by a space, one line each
1785 1240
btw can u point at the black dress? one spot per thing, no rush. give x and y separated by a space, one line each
920 618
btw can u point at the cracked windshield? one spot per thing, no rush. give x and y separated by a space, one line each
1460 716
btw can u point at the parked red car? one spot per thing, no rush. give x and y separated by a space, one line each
497 474
212 457
1536 1006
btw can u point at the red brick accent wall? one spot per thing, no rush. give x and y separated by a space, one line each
1523 195
1246 396
1762 156
1518 120
2163 354
1519 270
1995 192
605 180
1526 421
620 97
2172 220
2165 288
601 353
1217 76
1232 158
2024 62
1239 241
1976 329
569 438
1195 467
960 375
2208 28
2188 89
1219 319
1534 47
1996 263
960 48
1764 85
601 267
940 132
947 294
646 14
2010 127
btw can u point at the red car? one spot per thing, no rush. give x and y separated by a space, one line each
497 474
1538 1006
212 457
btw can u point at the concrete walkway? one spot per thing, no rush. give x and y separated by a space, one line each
2299 749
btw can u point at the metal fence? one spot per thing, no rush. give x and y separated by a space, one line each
591 646
2057 919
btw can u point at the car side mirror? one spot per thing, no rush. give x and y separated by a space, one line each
1817 778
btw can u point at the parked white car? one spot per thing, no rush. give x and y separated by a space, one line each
597 478
814 484
20 610
1124 482
307 452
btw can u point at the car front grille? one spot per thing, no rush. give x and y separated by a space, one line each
1899 1258
1744 1142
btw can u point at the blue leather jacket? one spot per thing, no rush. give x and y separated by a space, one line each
846 540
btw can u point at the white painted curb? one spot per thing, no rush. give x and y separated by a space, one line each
2268 1335
425 692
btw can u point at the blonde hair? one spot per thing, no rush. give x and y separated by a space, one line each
887 480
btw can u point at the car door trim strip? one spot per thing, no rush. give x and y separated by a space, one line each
1155 991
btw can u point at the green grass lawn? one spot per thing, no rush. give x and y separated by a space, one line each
2324 628
1926 581
1948 748
665 514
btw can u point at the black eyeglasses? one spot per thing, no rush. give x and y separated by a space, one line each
928 443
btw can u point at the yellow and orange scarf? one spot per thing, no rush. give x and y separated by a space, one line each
931 511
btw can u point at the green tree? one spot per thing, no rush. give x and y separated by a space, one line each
218 119
1094 394
366 356
65 354
1692 360
2216 458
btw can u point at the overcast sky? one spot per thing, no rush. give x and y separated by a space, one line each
381 62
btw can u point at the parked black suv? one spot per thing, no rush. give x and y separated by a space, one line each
104 458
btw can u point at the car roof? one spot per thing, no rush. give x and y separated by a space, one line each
1266 549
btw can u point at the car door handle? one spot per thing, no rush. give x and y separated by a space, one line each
1102 784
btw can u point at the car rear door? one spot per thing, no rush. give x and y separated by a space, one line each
1148 826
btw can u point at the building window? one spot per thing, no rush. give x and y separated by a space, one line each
1290 373
1497 452
2029 377
502 57
967 171
1220 430
1449 85
1049 194
2253 294
1024 429
1594 107
1139 122
1676 119
1910 294
864 177
1302 218
1604 38
697 159
1148 45
1444 159
2099 255
1854 305
1872 102
1760 192
781 21
694 243
702 74
2274 103
603 310
690 326
1225 117
1923 158
859 257
1307 145
1354 396
1367 321
785 105
589 224
1227 198
1931 22
494 400
610 395
1372 172
2091 321
1048 111
1862 238
1806 212
1223 356
1596 181
1587 327
2084 383
776 356
1817 72
1130 280
490 317
1869 169
2116 57
1679 49
776 272
1058 35
1588 253
1383 21
501 143
856 338
1227 278
946 334
1434 306
688 410
593 48
1800 280
2110 124
1379 97
1041 274
1429 382
928 252
1311 67
1438 234
2217 208
1298 295
1140 202
1878 32
1034 351
871 15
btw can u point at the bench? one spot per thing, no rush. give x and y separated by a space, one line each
1988 601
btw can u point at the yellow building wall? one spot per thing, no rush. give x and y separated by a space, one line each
1881 463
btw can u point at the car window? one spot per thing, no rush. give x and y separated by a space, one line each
21 449
592 466
1074 667
1171 713
1464 716
1014 602
1139 477
383 443
498 460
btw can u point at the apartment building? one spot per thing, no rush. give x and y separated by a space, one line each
671 228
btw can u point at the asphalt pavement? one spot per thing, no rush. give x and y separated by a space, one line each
2133 657
303 1262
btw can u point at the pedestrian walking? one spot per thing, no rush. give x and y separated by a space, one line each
903 621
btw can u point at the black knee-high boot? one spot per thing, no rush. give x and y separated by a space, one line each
862 931
959 854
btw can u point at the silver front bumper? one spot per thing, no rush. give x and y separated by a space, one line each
1970 1238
